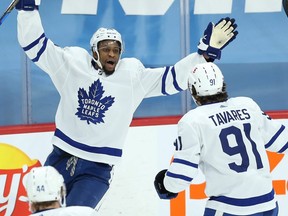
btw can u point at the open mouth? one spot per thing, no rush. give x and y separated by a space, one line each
110 66
112 63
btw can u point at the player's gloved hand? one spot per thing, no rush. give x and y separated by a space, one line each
159 186
216 37
28 5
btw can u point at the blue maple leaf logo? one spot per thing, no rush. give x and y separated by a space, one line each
93 106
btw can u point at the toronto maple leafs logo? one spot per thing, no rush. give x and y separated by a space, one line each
93 106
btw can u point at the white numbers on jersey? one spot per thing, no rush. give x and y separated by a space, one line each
178 144
238 147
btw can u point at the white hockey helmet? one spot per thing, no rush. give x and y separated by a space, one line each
206 78
105 34
45 184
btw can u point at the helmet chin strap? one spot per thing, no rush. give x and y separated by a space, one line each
63 196
63 201
94 49
194 99
196 102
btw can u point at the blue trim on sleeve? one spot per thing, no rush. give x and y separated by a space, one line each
163 81
41 50
177 87
173 175
175 84
245 202
34 43
283 148
188 163
277 134
91 149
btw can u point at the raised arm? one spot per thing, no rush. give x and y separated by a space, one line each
37 46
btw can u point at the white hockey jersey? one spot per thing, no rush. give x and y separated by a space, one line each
95 110
228 142
68 211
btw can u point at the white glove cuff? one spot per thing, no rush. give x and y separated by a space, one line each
37 2
202 46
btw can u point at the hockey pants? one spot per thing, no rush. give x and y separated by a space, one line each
86 181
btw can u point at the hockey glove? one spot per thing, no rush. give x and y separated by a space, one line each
28 5
160 188
216 37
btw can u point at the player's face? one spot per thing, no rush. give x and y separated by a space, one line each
109 53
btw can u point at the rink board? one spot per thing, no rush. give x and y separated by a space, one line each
148 149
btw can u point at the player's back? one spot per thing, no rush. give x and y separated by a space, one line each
233 156
68 211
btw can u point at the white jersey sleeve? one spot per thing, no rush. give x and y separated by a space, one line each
34 42
274 134
44 53
170 79
228 142
186 158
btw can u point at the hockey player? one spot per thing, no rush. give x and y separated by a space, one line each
46 194
227 139
99 95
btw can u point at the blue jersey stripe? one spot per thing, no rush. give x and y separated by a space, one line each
163 89
41 51
283 148
34 43
175 84
173 175
177 87
188 163
245 202
275 137
272 212
277 134
99 150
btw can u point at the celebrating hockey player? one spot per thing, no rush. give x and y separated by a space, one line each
227 140
99 94
46 194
